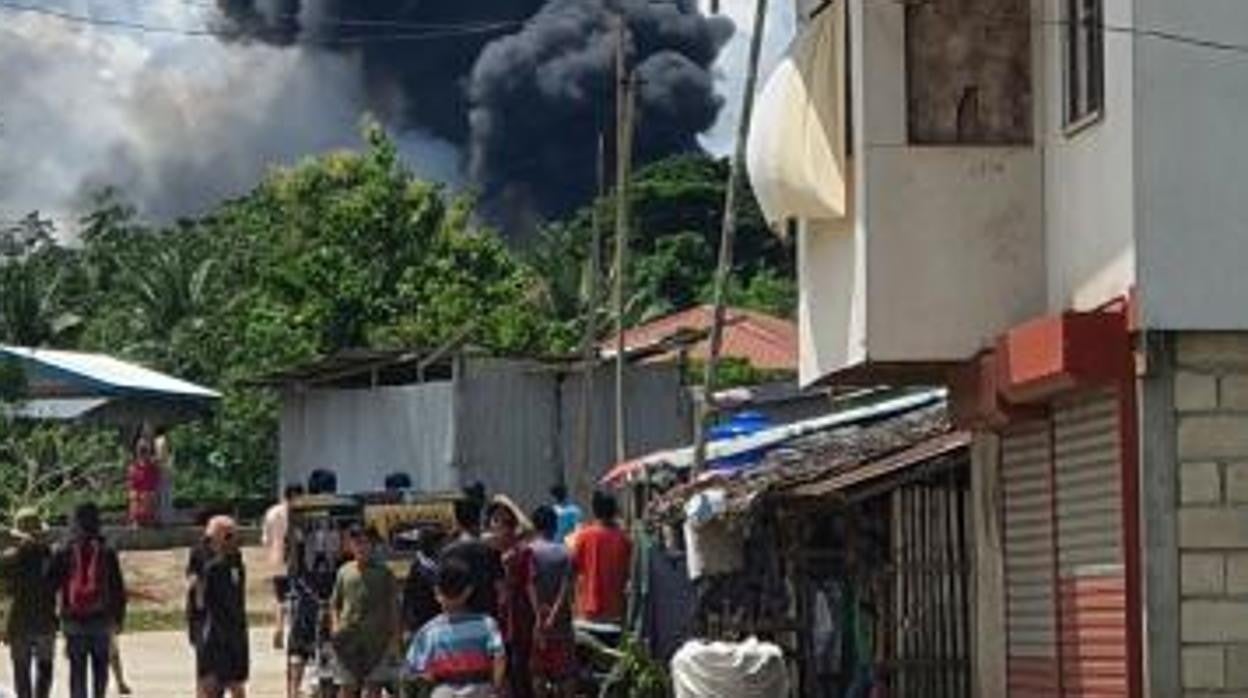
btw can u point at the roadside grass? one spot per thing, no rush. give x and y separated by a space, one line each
146 620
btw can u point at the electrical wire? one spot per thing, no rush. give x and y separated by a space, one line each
362 23
432 31
447 31
1144 32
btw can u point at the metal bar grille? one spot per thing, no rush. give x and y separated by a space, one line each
931 648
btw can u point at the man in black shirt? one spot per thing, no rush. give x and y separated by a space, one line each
223 653
420 601
483 561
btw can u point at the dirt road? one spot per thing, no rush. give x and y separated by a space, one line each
160 665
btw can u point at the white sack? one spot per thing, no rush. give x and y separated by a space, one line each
749 669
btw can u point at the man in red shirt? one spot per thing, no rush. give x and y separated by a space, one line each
602 556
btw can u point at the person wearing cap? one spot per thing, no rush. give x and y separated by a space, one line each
31 626
510 529
222 655
364 614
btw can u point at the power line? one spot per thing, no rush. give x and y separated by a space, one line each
1144 32
433 31
448 31
365 23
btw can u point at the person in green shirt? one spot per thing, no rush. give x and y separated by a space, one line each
364 615
31 626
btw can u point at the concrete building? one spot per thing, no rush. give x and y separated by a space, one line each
1041 204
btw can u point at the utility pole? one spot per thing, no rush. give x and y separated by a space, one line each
582 485
727 237
625 91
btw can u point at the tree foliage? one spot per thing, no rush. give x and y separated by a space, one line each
676 212
344 250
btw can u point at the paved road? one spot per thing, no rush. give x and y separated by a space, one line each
160 665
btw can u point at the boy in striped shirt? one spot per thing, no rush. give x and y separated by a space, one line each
459 652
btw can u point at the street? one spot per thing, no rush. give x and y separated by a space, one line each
160 665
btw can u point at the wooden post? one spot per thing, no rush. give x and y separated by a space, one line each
727 239
625 91
582 482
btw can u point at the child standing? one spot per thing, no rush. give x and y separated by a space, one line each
459 652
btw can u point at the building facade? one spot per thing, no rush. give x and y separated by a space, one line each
1042 207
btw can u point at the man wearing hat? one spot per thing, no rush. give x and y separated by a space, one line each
31 627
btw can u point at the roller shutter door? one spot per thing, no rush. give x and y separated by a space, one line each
1092 623
1031 614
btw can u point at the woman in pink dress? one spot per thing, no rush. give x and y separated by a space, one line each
144 481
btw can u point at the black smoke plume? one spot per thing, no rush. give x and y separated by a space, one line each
523 87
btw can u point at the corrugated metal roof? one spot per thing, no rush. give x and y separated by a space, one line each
765 341
53 373
682 458
56 409
820 456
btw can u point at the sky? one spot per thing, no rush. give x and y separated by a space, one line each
178 122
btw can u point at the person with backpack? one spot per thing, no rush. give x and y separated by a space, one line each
87 574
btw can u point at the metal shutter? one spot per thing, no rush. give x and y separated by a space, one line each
1031 633
1091 579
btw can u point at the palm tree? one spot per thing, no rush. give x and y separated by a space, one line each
168 287
30 313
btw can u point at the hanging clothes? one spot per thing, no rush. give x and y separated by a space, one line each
670 603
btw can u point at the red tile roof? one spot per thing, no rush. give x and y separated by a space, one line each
767 342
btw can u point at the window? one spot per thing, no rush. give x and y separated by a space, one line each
1085 61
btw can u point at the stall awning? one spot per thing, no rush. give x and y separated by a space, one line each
796 148
889 465
52 374
682 458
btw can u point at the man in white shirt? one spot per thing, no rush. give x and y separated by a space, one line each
273 538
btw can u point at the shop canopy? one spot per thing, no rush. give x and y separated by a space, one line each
95 388
766 440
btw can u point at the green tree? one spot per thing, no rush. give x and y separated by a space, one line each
677 208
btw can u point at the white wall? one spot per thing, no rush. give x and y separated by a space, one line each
831 304
954 240
1192 167
1089 182
365 434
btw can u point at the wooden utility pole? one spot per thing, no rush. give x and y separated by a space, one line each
727 237
625 92
582 485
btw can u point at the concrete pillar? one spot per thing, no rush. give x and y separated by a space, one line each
988 643
1158 529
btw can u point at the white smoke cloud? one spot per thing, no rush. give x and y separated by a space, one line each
731 64
176 123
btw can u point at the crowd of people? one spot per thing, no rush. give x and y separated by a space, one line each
487 609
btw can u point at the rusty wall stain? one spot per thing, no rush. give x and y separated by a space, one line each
968 71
